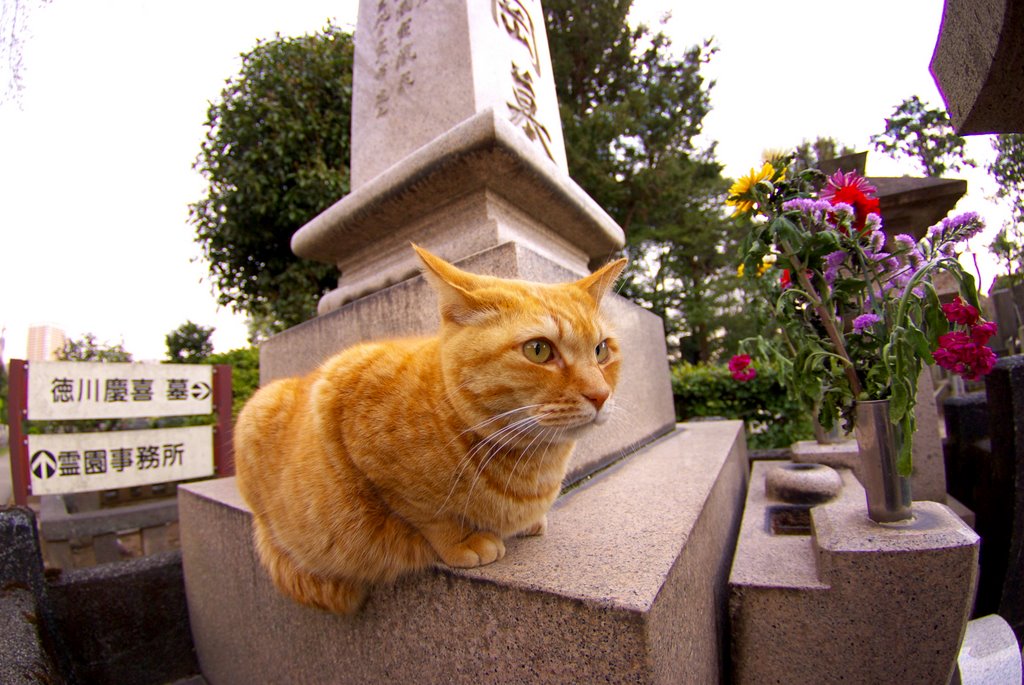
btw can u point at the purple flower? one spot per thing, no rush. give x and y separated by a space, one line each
877 240
906 241
833 260
865 321
958 228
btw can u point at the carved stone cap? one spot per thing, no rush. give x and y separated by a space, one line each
977 65
485 152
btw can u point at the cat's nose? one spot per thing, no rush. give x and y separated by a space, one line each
597 396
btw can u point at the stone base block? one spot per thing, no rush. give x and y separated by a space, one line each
989 655
644 396
628 585
849 600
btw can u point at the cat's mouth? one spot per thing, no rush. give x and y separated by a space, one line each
576 417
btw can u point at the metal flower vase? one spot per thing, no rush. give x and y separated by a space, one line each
888 493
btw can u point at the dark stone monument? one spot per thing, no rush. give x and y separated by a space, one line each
1005 389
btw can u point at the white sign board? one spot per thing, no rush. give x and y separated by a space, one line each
61 463
60 391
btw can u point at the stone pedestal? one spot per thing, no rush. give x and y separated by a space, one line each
846 599
977 65
627 586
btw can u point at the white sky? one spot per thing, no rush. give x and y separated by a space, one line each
96 162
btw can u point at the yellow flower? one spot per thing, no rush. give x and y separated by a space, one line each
739 271
739 193
767 262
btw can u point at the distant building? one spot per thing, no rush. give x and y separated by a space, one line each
44 342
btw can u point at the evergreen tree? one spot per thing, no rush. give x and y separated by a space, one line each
189 343
276 155
631 112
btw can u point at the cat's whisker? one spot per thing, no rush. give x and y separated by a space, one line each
498 435
522 427
541 441
487 422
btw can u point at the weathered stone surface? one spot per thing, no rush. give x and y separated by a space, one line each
851 599
423 68
802 483
31 627
626 586
23 660
644 406
126 622
911 204
977 65
989 654
472 188
55 523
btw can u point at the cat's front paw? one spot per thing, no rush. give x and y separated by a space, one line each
479 549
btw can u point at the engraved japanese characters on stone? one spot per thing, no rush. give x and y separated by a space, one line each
524 109
513 16
393 51
516 19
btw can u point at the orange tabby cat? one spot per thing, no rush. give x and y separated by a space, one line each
396 455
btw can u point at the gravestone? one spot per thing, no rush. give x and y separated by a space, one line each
457 147
1005 390
977 65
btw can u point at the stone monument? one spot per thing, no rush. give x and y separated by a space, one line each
457 146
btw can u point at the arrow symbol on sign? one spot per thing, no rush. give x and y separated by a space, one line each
200 390
43 462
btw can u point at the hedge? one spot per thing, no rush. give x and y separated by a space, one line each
708 391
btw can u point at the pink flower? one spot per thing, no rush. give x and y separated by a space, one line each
981 332
741 368
960 312
854 190
964 355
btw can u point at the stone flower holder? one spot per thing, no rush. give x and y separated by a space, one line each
819 593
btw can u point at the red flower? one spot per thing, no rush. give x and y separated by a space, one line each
855 191
983 331
964 355
741 368
786 279
960 312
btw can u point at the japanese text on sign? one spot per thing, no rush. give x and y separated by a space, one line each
74 462
85 390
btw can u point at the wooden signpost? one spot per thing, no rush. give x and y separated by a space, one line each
61 463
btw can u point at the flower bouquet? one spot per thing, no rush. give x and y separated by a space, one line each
856 316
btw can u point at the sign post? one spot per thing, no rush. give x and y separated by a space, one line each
58 463
17 396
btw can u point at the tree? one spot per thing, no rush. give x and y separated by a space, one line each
276 154
88 350
1008 171
14 28
924 134
189 343
631 111
245 373
810 155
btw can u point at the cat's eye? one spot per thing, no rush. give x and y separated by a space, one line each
602 352
538 351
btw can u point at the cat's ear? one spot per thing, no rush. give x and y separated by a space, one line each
599 282
453 287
